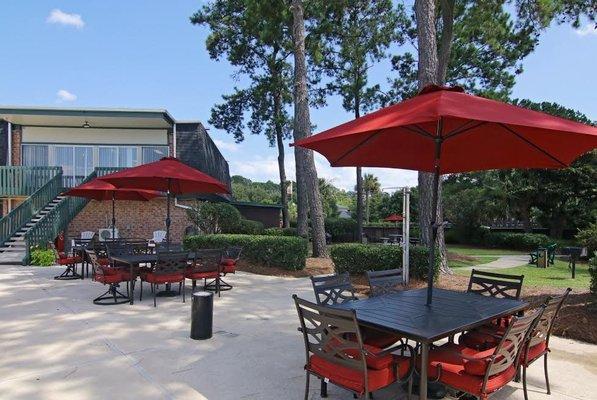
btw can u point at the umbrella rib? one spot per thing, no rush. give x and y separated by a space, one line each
420 131
357 146
512 131
464 128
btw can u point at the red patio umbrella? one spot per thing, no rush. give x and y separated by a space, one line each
444 130
393 218
100 190
168 175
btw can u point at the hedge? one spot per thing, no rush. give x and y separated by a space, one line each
248 227
357 258
341 229
281 232
273 251
507 240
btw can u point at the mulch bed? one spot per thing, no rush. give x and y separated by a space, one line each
577 319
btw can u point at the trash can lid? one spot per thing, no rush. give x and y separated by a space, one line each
203 294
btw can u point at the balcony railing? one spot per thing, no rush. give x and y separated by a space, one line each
20 181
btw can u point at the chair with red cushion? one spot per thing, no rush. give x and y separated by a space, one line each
348 363
480 373
337 289
107 275
229 260
206 265
170 267
496 285
70 261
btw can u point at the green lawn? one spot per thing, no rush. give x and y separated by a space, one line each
557 275
470 263
480 251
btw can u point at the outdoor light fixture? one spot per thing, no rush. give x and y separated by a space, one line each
86 125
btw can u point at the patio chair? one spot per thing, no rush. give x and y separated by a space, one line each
551 254
107 276
384 282
207 265
70 261
348 363
158 236
481 373
170 267
337 289
538 341
491 284
229 260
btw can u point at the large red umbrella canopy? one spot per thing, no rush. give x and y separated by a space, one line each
393 218
167 174
476 134
100 190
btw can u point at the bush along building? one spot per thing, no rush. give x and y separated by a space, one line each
43 151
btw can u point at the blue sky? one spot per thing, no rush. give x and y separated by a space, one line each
146 54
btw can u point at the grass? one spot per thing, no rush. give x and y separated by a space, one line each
469 261
481 251
557 275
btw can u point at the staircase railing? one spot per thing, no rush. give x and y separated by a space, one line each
20 215
18 181
54 222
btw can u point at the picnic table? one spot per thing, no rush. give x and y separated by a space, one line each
133 260
406 314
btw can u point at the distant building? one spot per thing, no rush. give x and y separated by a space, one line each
344 212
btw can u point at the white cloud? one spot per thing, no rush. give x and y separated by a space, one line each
588 29
229 146
60 17
65 96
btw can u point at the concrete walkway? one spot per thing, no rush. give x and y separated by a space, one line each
55 344
503 262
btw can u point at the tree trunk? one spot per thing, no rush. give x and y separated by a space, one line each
302 128
445 48
367 198
357 114
428 73
281 166
302 199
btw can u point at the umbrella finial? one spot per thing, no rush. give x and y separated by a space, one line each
436 88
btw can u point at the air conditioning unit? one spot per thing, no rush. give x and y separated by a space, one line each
106 234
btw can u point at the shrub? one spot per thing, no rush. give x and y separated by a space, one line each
280 232
593 273
275 251
357 258
516 241
588 238
248 227
341 229
212 217
42 257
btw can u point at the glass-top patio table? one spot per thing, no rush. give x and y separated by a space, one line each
134 260
406 313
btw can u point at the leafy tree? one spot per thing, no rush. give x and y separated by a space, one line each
371 186
328 198
356 35
212 217
244 189
255 37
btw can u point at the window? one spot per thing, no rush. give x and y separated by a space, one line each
154 153
127 156
35 155
107 157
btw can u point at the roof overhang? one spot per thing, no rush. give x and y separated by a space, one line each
87 117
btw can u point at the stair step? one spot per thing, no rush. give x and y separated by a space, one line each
12 250
16 244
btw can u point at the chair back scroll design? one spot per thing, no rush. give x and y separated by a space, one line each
233 252
171 263
384 282
98 269
495 285
333 289
509 350
330 333
542 331
207 260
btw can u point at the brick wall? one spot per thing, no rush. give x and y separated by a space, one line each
135 219
17 138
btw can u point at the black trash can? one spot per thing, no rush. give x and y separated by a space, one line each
202 315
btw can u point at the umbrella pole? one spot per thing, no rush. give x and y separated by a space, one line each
434 223
113 215
168 215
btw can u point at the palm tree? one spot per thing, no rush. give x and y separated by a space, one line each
370 187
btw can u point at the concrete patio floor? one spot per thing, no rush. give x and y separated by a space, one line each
56 344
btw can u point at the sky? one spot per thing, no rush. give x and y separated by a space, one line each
146 54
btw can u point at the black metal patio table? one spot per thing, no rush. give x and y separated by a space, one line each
406 313
134 260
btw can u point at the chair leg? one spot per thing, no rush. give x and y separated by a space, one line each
307 378
546 374
141 290
524 382
218 287
194 285
154 296
410 387
324 389
183 290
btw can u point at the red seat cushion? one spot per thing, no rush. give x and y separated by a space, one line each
353 379
201 275
536 351
374 337
69 260
103 261
228 262
113 277
454 371
169 278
